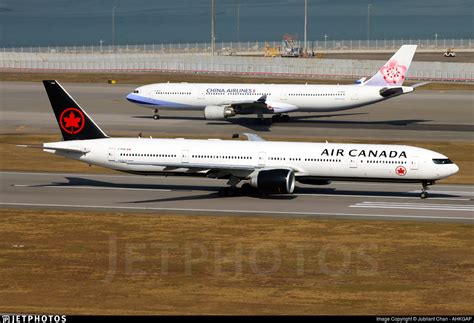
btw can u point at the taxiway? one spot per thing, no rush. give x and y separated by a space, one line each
423 115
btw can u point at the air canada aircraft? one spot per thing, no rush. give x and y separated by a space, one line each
259 166
221 101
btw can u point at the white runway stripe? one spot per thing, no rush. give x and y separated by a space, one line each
95 188
383 196
416 206
459 193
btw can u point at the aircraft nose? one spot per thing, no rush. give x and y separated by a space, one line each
130 96
455 169
134 97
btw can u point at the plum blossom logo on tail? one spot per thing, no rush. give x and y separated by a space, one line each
72 120
393 72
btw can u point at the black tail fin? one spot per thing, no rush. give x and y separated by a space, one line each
73 121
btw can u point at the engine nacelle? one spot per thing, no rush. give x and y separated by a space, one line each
274 181
215 112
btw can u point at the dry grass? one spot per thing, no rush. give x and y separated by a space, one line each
24 159
59 262
147 78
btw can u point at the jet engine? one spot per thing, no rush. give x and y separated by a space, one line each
215 112
274 181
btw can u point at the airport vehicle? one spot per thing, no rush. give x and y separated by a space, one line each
221 101
263 167
290 49
449 53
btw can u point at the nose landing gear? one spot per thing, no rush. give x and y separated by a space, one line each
424 189
156 116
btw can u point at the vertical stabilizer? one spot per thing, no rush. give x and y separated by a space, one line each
394 71
73 121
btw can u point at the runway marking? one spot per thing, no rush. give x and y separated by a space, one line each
144 208
385 197
95 188
463 193
415 206
401 184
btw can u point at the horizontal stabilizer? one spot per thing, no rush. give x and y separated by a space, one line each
419 84
79 150
389 92
31 146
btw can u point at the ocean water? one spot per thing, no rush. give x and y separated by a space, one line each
86 22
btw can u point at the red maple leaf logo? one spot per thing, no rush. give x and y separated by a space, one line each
401 171
71 120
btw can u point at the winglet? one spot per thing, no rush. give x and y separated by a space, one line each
395 70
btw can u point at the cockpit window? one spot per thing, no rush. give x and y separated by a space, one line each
136 91
442 161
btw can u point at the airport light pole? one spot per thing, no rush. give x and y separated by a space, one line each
436 40
113 29
101 41
305 25
325 38
238 23
213 38
368 24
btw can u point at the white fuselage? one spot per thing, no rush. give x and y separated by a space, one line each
306 98
321 160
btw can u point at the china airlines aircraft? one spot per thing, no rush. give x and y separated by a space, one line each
221 101
261 166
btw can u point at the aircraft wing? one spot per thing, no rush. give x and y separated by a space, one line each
260 106
211 170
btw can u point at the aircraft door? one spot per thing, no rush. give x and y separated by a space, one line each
353 162
355 96
262 158
111 154
414 163
185 156
201 93
283 95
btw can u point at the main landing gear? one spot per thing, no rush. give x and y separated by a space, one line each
245 190
280 118
424 189
233 190
156 116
